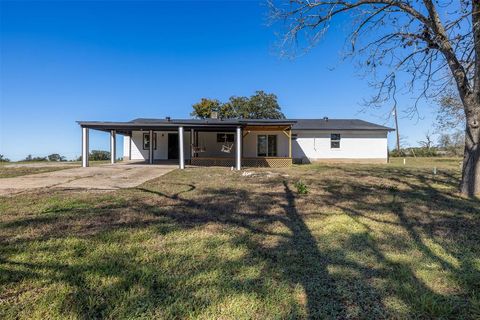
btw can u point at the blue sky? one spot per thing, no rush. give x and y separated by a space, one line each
67 61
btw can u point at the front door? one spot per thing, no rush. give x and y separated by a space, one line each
173 146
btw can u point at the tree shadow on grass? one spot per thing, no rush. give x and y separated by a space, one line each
268 228
441 225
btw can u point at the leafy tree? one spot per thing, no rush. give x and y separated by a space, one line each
3 158
236 107
261 105
422 40
205 108
56 157
97 155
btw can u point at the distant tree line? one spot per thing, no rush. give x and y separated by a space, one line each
261 105
448 144
448 127
54 157
95 155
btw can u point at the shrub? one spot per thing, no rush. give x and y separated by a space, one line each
30 158
99 155
415 152
56 157
301 187
396 153
3 159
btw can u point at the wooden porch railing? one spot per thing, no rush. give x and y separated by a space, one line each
272 162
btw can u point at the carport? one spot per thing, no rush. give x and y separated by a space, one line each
238 127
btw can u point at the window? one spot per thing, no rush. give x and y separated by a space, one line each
266 145
335 140
146 141
225 137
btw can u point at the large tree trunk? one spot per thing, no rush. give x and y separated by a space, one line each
470 185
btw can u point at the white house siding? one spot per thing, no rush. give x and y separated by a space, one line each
315 145
161 153
309 145
126 147
250 143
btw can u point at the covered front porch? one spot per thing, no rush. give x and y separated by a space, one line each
230 143
260 146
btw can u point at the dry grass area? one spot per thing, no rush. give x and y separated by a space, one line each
384 241
16 171
22 168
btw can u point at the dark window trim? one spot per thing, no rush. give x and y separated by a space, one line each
335 143
154 141
221 137
268 153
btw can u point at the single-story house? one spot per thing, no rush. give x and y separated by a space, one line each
244 142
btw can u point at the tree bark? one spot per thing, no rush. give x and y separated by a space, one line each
470 185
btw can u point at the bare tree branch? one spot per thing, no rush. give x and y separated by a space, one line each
431 43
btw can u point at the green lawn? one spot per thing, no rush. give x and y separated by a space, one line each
383 241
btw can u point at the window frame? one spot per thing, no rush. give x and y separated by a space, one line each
268 153
335 139
221 137
146 134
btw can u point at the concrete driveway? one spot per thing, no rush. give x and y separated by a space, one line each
105 177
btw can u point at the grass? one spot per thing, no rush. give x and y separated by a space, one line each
421 162
10 172
384 241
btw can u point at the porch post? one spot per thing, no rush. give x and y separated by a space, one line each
238 149
85 147
192 142
130 137
181 159
290 143
113 143
150 148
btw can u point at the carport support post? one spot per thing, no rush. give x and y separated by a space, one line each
238 149
192 142
113 138
181 157
85 150
150 148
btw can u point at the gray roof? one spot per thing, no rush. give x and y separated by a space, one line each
213 121
297 124
337 124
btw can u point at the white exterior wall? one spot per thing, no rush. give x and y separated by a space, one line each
161 153
126 147
315 145
310 144
250 143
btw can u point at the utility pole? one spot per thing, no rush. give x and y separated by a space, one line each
395 115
